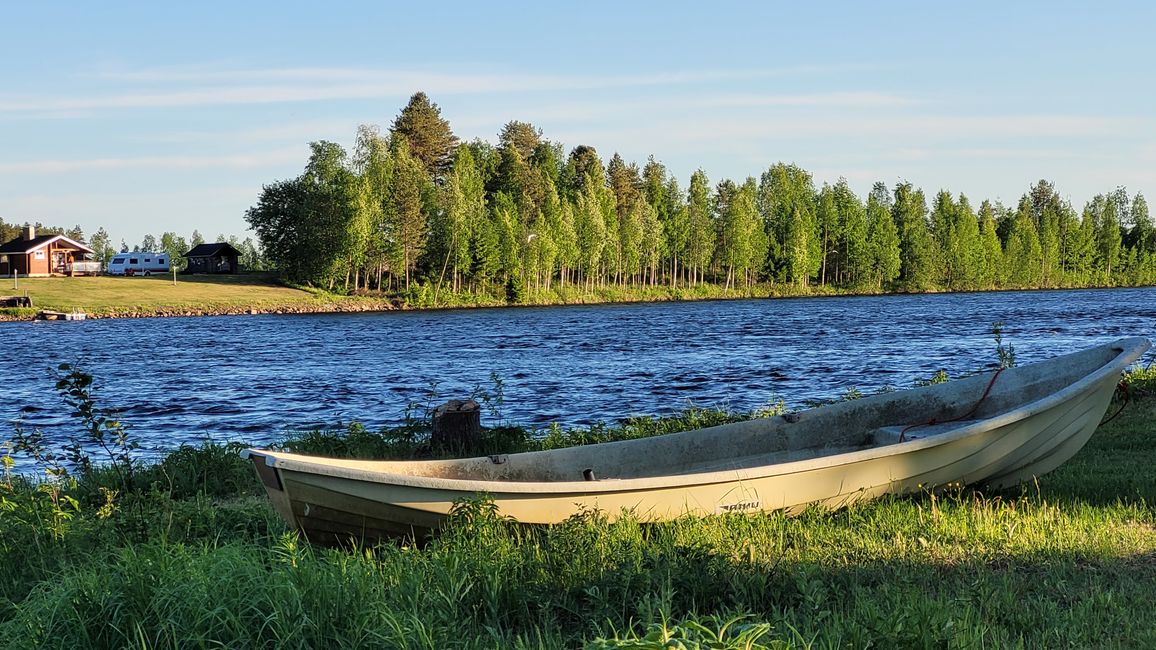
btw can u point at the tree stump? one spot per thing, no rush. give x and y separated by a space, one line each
457 424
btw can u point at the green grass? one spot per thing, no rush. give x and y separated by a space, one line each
192 294
191 558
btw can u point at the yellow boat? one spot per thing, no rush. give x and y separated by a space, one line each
995 429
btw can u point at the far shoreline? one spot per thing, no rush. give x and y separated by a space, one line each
317 303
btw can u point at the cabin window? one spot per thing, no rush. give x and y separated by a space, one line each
148 259
118 260
133 260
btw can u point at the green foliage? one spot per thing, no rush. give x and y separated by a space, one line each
100 432
883 240
101 244
211 470
940 377
1006 354
19 313
692 634
92 485
917 248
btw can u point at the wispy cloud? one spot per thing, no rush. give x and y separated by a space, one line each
642 108
268 86
221 73
909 128
239 161
303 131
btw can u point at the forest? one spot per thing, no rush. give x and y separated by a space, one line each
415 207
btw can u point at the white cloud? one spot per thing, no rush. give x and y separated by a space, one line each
241 161
242 87
468 80
302 132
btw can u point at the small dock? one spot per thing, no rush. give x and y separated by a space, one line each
60 315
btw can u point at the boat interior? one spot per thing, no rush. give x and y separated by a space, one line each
872 422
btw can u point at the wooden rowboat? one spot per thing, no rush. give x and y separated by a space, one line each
995 429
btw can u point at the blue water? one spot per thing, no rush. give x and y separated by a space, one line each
252 378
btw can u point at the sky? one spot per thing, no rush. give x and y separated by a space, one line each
146 117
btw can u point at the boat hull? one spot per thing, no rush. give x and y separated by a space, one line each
333 501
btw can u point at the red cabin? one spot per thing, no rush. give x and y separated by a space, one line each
46 255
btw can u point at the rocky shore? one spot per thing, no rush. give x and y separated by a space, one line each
350 306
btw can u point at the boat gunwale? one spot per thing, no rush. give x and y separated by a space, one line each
1129 349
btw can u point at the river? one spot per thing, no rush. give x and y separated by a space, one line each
252 378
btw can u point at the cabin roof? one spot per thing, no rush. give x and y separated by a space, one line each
210 250
21 245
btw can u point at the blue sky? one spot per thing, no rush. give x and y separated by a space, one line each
152 117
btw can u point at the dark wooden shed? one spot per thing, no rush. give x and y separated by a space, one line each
213 258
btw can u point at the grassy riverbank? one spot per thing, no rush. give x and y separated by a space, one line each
189 554
112 296
118 297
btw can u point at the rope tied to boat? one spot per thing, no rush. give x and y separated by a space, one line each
965 416
1125 391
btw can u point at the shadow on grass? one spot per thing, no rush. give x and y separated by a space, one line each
486 585
254 279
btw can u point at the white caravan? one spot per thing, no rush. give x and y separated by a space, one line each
138 263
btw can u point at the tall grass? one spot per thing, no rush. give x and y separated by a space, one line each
970 571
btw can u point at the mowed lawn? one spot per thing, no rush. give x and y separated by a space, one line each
114 295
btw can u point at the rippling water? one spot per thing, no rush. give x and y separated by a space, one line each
251 378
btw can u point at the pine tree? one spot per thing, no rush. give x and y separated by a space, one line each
583 167
430 139
523 137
